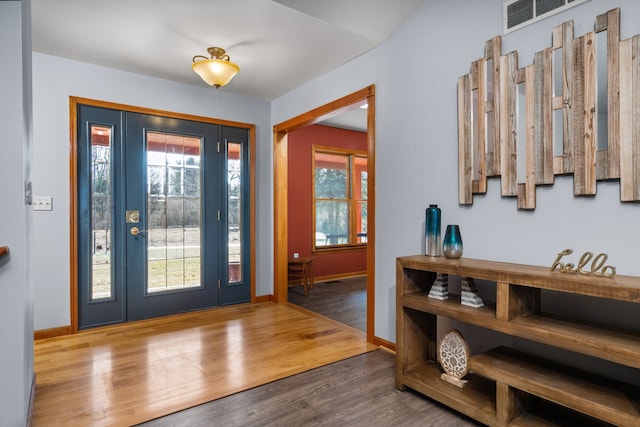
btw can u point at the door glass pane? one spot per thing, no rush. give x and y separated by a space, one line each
101 202
234 210
173 212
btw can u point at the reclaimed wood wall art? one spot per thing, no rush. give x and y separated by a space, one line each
574 111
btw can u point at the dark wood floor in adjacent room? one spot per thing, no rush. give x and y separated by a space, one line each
343 300
359 391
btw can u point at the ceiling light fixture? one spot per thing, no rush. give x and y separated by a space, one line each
215 71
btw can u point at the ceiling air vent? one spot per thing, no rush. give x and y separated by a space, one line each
519 13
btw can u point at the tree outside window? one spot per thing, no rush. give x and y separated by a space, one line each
340 197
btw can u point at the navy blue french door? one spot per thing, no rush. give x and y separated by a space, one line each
163 216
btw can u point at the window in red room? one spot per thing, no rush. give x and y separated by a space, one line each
339 197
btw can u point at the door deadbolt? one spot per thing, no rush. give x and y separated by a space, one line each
133 216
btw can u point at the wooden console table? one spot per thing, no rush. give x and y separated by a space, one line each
505 386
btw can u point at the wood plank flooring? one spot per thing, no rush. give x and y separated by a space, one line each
343 300
359 391
127 374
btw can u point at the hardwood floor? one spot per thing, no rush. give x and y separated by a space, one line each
127 374
359 391
343 300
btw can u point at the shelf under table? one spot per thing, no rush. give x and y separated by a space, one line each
606 400
476 400
601 342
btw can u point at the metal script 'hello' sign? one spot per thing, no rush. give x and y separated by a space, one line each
597 268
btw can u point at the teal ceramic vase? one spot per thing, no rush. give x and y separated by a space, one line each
452 243
432 231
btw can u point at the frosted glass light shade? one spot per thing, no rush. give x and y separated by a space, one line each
215 72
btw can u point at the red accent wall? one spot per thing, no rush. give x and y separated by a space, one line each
300 188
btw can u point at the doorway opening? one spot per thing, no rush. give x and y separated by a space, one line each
281 197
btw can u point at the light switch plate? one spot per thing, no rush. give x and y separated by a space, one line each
42 203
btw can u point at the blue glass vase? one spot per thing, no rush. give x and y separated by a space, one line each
452 244
432 231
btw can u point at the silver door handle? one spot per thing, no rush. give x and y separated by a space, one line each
135 231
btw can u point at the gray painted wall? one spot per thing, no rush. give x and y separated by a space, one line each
55 80
16 293
415 73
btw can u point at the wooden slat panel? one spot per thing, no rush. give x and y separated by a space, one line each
527 197
629 123
508 122
636 112
543 123
601 23
613 89
465 196
578 150
489 162
473 95
547 116
557 102
489 106
567 95
479 164
558 165
493 51
602 171
590 116
635 91
473 76
578 101
626 121
557 37
530 147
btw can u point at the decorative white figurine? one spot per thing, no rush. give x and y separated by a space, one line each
470 293
440 288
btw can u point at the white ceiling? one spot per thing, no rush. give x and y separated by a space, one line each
278 44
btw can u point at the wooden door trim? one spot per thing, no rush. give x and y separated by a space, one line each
280 202
73 185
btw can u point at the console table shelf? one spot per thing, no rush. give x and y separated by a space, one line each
600 342
476 400
504 384
606 400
